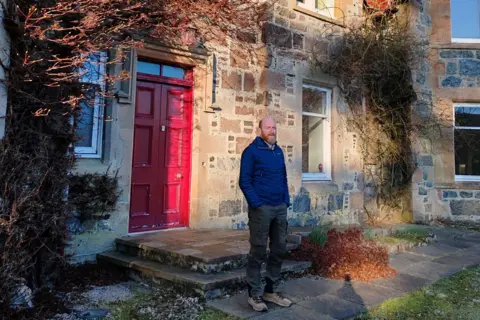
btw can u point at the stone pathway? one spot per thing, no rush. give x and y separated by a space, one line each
318 298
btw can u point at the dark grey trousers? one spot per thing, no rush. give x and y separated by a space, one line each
264 223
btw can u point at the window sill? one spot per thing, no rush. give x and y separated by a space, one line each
457 45
467 178
308 177
87 156
319 16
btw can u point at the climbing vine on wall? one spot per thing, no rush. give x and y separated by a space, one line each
373 64
93 196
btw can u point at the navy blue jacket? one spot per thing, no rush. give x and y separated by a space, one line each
263 175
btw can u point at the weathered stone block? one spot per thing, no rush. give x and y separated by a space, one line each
302 202
284 12
452 68
451 54
227 125
299 25
279 116
451 81
249 82
264 56
272 80
247 37
278 36
239 57
244 110
469 67
449 194
335 202
347 186
297 41
232 80
465 207
422 191
425 161
242 143
229 208
466 194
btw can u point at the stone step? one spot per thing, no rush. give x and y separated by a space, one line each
208 285
211 256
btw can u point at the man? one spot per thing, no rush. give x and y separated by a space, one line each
263 180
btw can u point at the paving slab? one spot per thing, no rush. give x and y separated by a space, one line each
404 260
460 259
402 282
366 294
333 306
457 243
295 312
434 250
431 270
238 306
304 288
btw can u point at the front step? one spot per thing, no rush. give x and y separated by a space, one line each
200 251
208 285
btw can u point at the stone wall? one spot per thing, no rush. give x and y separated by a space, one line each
452 75
462 68
270 82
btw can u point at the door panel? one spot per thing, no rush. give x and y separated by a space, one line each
161 157
177 154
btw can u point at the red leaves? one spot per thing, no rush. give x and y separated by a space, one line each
347 255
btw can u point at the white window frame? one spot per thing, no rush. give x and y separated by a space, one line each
464 178
95 149
326 175
462 40
310 5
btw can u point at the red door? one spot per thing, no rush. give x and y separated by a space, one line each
161 155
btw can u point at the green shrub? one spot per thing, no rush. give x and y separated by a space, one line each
319 235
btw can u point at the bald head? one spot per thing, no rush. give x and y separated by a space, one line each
268 130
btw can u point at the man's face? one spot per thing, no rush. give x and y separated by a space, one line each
268 131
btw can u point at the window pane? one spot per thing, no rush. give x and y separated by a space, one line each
467 116
92 69
314 101
465 18
312 144
172 72
85 126
148 68
467 152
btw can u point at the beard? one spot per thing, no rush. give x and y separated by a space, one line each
270 139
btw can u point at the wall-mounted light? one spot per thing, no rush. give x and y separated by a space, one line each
214 107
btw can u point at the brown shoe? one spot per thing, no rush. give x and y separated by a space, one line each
257 304
277 298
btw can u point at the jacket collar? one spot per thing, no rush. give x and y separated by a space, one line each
261 144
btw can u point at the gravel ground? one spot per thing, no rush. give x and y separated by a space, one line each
130 299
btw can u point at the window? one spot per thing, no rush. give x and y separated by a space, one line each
89 123
465 20
160 70
466 137
316 135
323 7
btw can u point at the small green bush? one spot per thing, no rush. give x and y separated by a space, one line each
319 235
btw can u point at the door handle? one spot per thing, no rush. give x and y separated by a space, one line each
179 176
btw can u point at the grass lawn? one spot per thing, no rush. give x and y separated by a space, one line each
216 315
457 297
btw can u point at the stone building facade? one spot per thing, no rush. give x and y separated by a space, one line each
234 84
446 183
